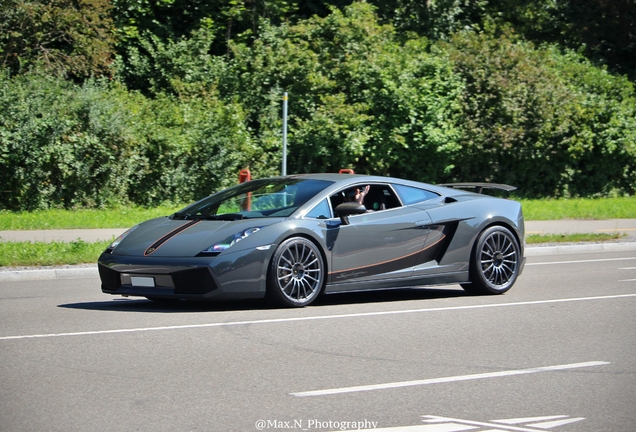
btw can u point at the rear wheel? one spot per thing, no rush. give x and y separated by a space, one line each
494 262
296 273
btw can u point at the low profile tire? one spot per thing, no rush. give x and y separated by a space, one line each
296 274
494 262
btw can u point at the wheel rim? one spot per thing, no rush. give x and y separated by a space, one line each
299 272
499 260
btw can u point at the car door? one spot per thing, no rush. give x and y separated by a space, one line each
377 245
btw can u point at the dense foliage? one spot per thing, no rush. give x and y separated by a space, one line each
97 143
549 122
152 101
69 38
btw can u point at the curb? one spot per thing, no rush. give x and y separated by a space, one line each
577 248
47 274
90 272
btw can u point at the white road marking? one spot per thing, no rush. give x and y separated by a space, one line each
392 385
627 280
444 424
313 318
448 427
556 423
529 419
580 261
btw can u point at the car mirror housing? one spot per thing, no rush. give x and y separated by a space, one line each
343 211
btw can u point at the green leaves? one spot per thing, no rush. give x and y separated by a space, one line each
549 122
64 145
435 91
71 39
359 97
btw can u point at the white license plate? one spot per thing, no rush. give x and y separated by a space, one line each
142 281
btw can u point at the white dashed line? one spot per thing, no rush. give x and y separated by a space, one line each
313 318
385 386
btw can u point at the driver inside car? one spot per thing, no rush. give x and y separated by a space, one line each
357 194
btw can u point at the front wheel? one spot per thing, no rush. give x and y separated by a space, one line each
296 273
494 263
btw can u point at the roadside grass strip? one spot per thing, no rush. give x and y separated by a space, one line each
120 216
16 254
573 238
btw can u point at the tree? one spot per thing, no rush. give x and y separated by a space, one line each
604 30
358 96
68 38
144 26
551 123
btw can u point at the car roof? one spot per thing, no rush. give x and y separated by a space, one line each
342 180
351 178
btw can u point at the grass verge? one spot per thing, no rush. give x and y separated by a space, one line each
122 217
572 238
579 208
125 217
17 254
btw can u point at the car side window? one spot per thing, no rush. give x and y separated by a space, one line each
321 211
411 195
379 196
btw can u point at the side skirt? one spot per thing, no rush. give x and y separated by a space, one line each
411 282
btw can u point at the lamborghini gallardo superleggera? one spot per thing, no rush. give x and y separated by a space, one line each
291 239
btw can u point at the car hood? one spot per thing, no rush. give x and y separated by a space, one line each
164 237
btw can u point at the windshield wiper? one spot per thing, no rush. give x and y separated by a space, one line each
223 217
181 216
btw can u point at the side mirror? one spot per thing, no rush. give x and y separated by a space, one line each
343 211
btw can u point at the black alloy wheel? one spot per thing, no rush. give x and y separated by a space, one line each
296 273
494 262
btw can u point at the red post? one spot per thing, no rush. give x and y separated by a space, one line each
244 176
346 171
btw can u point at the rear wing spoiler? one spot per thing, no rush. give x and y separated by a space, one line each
479 187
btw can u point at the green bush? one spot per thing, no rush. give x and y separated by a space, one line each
483 106
550 123
59 146
64 145
73 39
359 97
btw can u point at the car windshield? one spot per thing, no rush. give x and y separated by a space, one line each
277 197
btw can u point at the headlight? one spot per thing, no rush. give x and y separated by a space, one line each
231 240
118 240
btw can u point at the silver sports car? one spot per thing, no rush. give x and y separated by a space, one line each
291 239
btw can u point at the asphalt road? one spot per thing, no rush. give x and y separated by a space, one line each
555 353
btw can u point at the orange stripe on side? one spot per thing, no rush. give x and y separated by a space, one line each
389 261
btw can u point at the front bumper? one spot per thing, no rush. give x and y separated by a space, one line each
198 278
193 282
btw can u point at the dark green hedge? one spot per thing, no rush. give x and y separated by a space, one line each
64 145
482 106
548 122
